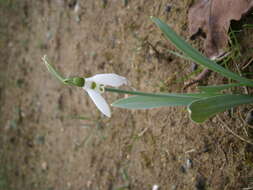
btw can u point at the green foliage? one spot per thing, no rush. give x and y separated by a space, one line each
144 102
195 55
200 106
158 100
202 109
248 26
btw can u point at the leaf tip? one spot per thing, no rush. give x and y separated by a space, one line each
114 104
189 109
153 18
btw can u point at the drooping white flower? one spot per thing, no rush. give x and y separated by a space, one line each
95 86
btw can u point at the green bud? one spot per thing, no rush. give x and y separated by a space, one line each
78 81
75 81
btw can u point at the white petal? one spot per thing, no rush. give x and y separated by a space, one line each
110 79
99 102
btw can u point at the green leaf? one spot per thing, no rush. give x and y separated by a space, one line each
158 95
202 109
145 102
195 55
218 88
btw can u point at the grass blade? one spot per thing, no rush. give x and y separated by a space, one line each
202 109
195 55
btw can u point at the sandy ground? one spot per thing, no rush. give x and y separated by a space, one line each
52 137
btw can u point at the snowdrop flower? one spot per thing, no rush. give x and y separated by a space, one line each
95 86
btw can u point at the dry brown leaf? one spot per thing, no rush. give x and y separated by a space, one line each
213 18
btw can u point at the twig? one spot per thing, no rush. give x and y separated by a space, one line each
142 132
244 126
204 74
158 54
247 188
240 73
247 64
236 135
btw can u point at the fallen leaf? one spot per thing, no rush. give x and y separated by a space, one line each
212 18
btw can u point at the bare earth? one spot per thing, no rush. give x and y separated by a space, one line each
52 137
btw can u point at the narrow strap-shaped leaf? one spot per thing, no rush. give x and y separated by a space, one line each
159 95
218 88
195 55
145 102
202 109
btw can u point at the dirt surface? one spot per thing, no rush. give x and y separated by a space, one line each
52 137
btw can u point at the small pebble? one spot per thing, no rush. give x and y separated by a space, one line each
49 35
10 44
69 184
72 4
89 183
168 8
214 120
200 183
125 2
188 164
77 18
206 148
155 187
77 8
194 67
40 140
44 165
182 169
174 187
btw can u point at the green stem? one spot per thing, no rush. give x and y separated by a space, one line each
52 70
119 91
